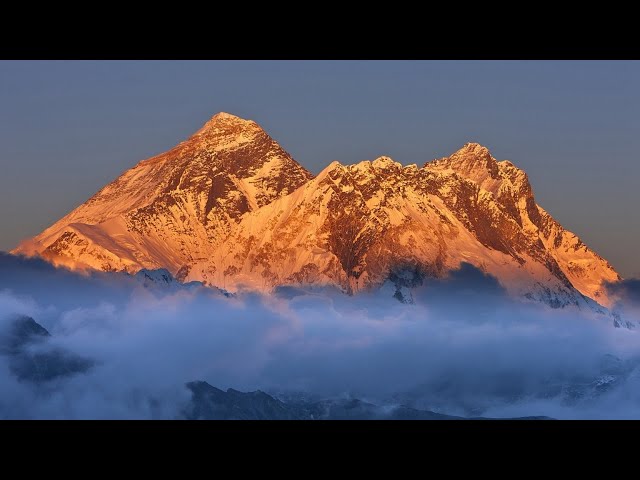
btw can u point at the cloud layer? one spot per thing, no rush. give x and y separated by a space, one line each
463 348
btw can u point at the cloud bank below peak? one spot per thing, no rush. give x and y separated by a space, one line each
463 348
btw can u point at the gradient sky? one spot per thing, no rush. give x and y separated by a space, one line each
69 127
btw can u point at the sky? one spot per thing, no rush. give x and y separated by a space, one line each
69 127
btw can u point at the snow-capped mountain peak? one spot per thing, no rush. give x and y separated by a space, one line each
230 208
385 162
227 123
170 210
472 161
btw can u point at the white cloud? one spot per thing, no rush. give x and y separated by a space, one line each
460 353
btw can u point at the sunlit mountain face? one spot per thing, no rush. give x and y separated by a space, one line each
222 280
230 208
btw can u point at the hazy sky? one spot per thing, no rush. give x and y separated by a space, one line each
68 128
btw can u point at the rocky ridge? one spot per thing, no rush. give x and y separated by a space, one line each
230 208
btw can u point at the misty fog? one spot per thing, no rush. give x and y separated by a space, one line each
462 348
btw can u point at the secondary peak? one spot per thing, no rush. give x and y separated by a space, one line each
385 162
474 149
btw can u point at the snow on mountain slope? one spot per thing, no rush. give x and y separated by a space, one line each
229 207
354 226
512 194
170 210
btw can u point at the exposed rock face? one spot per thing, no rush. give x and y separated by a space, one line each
211 403
356 226
24 342
170 210
229 207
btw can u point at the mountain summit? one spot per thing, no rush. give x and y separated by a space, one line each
231 208
226 123
171 209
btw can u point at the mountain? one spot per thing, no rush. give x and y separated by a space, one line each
230 208
24 342
210 403
169 211
354 225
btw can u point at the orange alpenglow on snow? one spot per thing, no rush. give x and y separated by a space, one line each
231 208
